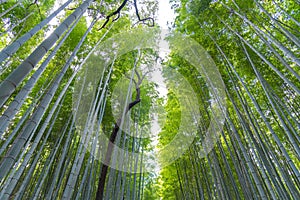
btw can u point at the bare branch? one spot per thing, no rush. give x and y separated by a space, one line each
134 81
33 3
145 75
115 19
117 12
37 5
138 75
144 19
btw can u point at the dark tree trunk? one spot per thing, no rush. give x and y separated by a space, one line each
104 169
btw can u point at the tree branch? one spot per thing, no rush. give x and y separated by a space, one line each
144 19
37 5
110 147
116 12
104 169
135 83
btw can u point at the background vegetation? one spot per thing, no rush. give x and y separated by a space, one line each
44 45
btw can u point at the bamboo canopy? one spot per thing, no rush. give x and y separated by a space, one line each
83 114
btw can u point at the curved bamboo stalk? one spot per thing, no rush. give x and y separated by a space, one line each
9 85
282 76
17 24
45 171
271 38
14 176
39 112
224 56
292 141
286 33
9 9
20 98
286 13
12 48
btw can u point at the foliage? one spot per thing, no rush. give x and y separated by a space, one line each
45 154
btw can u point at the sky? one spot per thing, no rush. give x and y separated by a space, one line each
165 16
165 13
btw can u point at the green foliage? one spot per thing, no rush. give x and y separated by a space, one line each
257 155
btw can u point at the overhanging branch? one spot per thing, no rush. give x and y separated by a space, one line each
117 13
144 19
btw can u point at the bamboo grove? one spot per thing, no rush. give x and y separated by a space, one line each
51 146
